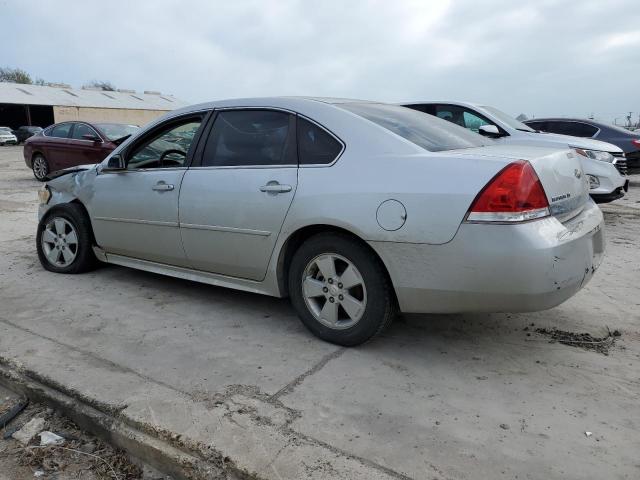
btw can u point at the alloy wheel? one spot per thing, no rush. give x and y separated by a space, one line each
59 242
40 168
334 291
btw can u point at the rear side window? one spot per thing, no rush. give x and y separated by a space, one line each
250 137
61 131
316 146
426 131
542 126
575 129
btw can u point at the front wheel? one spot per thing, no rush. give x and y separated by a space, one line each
64 240
340 289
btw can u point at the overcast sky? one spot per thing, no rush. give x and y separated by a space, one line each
537 57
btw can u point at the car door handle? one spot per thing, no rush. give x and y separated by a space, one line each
275 188
162 187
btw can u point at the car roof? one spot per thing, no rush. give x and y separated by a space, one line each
448 102
291 103
567 119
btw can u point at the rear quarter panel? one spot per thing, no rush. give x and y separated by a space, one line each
436 190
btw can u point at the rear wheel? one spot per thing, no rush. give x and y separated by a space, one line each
64 240
340 289
40 167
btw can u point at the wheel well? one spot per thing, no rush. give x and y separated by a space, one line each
300 236
75 201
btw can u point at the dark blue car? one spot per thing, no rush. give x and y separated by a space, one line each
628 141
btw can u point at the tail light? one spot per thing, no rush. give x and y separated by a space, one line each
636 142
515 194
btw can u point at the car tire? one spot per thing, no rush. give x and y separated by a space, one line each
349 313
40 167
64 240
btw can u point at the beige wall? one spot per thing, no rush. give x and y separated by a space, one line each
116 115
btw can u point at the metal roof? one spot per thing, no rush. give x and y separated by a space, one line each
21 94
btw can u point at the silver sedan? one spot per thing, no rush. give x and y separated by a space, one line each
353 209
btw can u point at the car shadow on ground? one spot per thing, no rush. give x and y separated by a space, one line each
410 332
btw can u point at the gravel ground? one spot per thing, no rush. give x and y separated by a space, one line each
438 396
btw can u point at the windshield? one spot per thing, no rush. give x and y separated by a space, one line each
5 130
431 133
114 131
507 120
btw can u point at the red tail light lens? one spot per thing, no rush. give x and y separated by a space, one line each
636 142
515 194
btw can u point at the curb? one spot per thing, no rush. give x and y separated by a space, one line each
157 453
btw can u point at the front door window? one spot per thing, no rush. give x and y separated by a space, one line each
167 149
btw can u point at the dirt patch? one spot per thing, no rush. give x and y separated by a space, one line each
80 456
581 340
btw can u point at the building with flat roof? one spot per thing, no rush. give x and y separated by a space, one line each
42 106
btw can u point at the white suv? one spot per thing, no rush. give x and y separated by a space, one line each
601 161
7 136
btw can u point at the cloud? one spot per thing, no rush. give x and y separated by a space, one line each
624 39
545 57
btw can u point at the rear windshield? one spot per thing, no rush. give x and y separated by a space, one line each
114 131
426 131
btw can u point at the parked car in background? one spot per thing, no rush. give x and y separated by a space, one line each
627 140
69 144
350 208
24 132
7 137
603 163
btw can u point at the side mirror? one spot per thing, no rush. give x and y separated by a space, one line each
490 131
91 137
115 164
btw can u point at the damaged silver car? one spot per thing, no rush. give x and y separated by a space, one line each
353 209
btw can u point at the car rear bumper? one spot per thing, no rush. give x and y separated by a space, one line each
498 268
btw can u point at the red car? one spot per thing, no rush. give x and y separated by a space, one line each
69 144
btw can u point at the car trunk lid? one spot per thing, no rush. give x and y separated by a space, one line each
560 173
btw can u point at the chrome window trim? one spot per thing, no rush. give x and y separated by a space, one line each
120 172
168 169
230 167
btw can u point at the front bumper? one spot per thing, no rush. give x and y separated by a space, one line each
610 197
633 160
498 268
8 141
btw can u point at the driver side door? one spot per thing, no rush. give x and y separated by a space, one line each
135 211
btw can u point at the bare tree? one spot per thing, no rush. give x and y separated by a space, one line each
14 75
102 85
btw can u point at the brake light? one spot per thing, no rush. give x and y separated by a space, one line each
515 194
636 142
